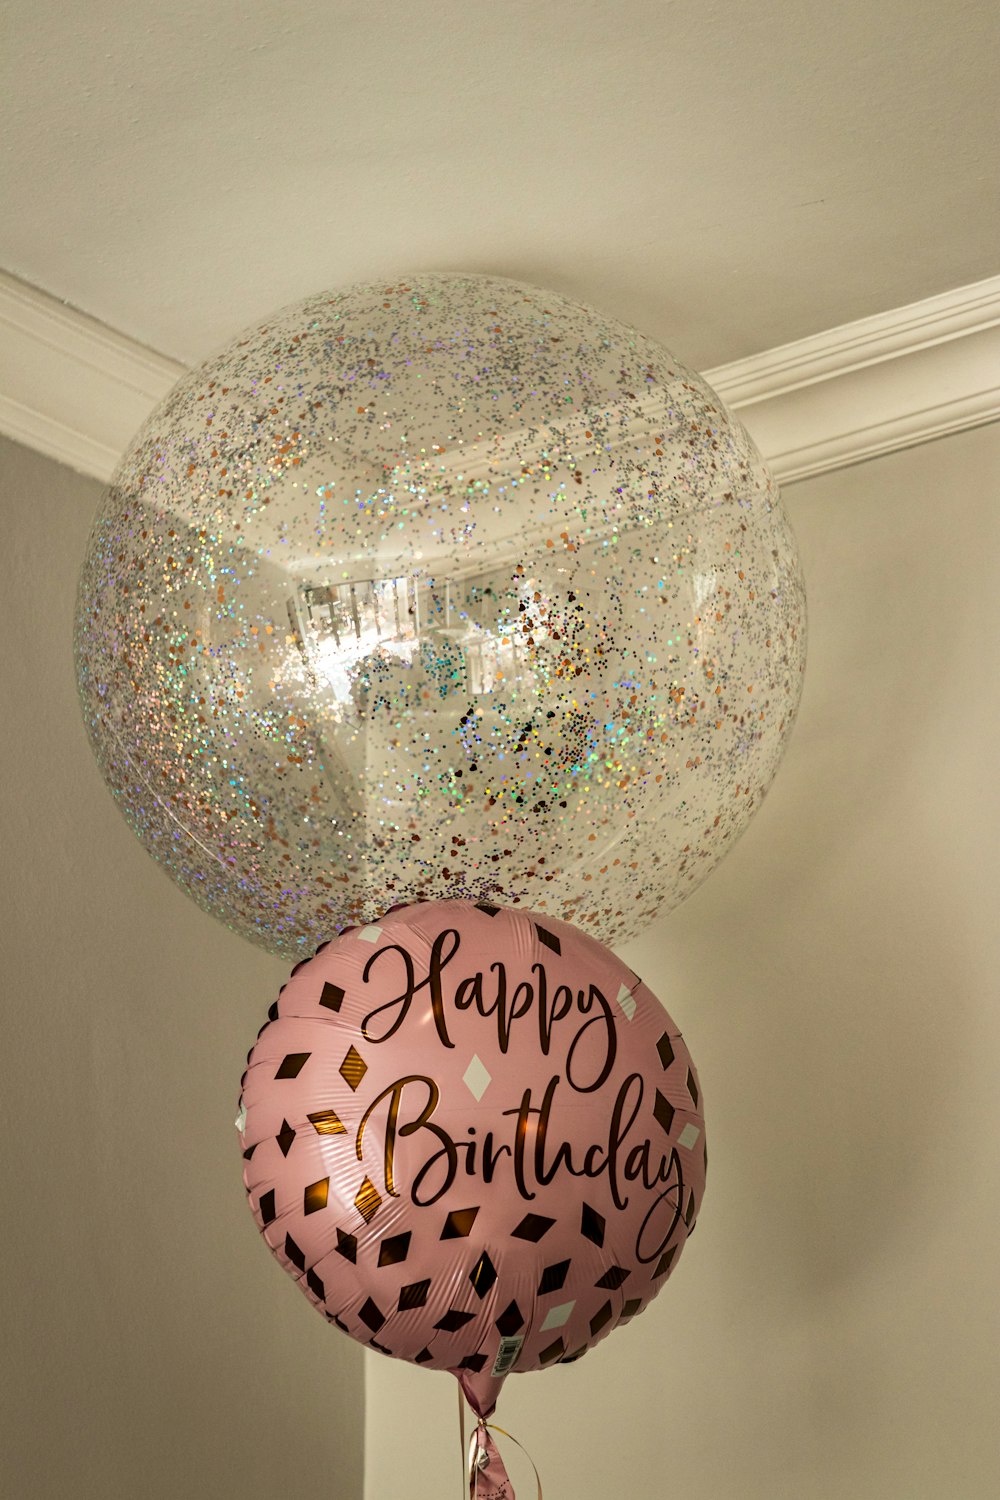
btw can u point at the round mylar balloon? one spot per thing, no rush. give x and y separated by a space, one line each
474 1138
454 588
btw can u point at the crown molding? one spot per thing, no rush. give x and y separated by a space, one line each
71 387
78 391
870 387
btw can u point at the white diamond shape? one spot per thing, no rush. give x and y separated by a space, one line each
241 1119
688 1136
476 1079
626 1000
370 934
557 1316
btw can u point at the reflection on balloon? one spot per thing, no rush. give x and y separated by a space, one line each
475 1139
448 588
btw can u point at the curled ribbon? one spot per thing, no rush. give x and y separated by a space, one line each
486 1475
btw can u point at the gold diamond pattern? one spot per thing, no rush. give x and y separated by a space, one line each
353 1068
316 1195
367 1200
325 1122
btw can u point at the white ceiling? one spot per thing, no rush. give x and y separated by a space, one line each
729 177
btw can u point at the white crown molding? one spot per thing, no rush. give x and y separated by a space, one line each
69 386
869 387
78 391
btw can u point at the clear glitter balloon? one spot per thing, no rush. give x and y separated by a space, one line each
450 588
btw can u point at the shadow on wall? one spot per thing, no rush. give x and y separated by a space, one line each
837 946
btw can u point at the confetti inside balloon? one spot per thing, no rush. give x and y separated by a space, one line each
474 1138
453 587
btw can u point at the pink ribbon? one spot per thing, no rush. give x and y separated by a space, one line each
485 1470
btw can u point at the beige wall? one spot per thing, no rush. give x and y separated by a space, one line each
149 1346
833 1330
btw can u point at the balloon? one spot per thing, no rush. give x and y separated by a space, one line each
474 1138
454 588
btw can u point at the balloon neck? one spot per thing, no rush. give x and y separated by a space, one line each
481 1391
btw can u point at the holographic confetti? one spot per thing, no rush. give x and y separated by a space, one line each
450 588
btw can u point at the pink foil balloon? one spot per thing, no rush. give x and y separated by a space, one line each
474 1138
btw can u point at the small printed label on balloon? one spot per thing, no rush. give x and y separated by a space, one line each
509 1349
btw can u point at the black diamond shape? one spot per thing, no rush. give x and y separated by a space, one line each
510 1321
332 996
483 1275
292 1065
548 938
665 1050
285 1137
342 1326
532 1227
692 1086
295 1255
630 1309
315 1285
414 1295
664 1263
266 1206
601 1319
490 911
553 1278
347 1246
473 1362
250 1151
371 1316
592 1225
272 1013
568 1359
453 1320
459 1223
422 1357
613 1279
374 1344
394 1250
663 1113
315 1196
554 1351
689 1216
